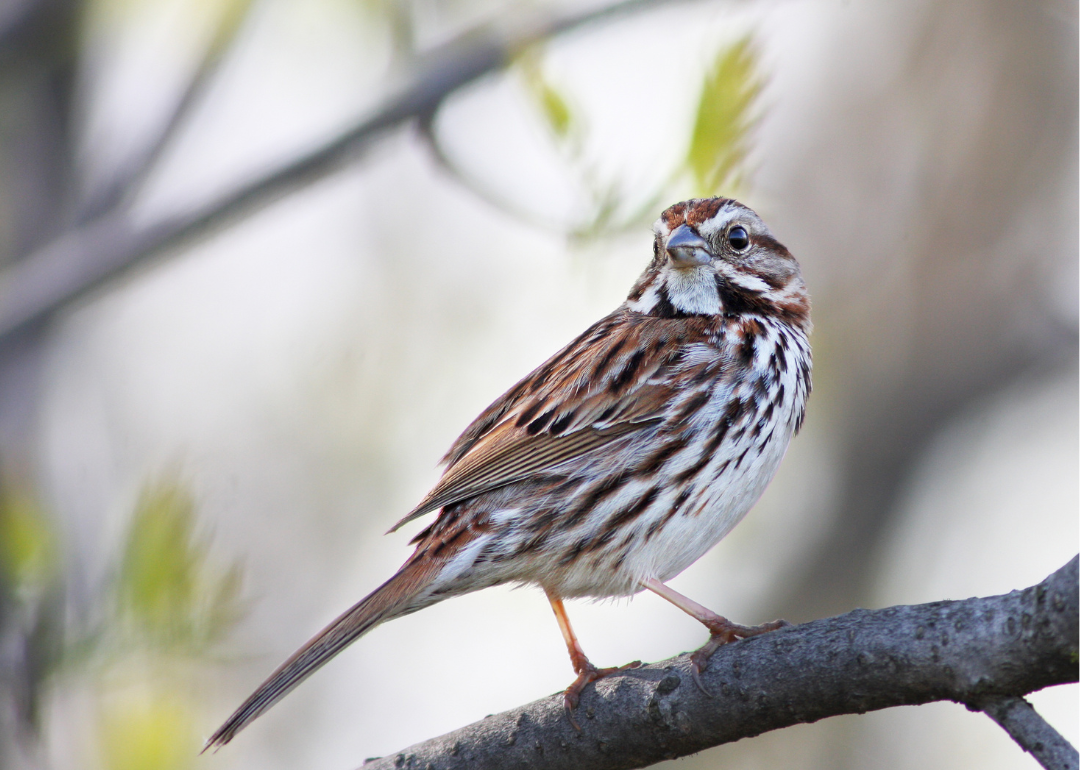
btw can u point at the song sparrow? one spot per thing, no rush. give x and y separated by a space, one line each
624 457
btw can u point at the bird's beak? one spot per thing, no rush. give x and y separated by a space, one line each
687 248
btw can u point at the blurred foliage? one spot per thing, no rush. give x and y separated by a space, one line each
219 12
144 728
714 162
168 603
28 549
168 598
721 136
553 106
167 590
395 19
30 601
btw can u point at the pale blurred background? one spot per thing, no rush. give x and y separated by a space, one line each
199 460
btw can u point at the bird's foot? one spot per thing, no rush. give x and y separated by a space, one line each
723 631
587 673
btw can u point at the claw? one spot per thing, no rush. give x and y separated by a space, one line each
585 670
724 632
588 673
698 663
695 671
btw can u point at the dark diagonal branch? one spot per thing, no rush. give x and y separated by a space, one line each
1031 731
132 173
966 651
100 250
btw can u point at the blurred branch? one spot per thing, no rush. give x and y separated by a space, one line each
1035 736
14 14
975 339
477 186
964 651
100 250
130 176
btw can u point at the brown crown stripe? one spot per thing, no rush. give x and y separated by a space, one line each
703 210
673 216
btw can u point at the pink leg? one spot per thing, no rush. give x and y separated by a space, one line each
585 670
721 629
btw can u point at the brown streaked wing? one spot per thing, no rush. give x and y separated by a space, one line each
618 397
527 388
490 467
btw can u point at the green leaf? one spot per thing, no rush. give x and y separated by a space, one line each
720 140
168 592
27 541
552 105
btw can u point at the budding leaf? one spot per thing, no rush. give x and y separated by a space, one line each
27 541
169 593
552 104
720 140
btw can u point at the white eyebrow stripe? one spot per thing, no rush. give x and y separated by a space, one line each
720 221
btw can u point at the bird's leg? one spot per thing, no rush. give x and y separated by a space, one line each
721 629
585 670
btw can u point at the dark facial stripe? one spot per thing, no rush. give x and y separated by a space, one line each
737 301
663 307
775 247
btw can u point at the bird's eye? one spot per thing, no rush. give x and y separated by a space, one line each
738 238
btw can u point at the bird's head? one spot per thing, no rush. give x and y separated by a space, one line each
714 256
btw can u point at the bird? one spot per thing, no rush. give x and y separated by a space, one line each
620 460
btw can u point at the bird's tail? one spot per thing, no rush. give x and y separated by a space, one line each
397 596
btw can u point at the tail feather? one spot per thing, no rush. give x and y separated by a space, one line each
388 601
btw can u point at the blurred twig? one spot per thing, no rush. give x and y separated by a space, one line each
477 186
1032 732
863 661
135 169
99 250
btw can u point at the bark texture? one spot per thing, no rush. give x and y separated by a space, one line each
966 651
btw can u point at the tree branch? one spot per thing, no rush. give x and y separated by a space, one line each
1031 731
966 651
133 172
100 250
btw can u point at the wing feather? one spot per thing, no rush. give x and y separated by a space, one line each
612 381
